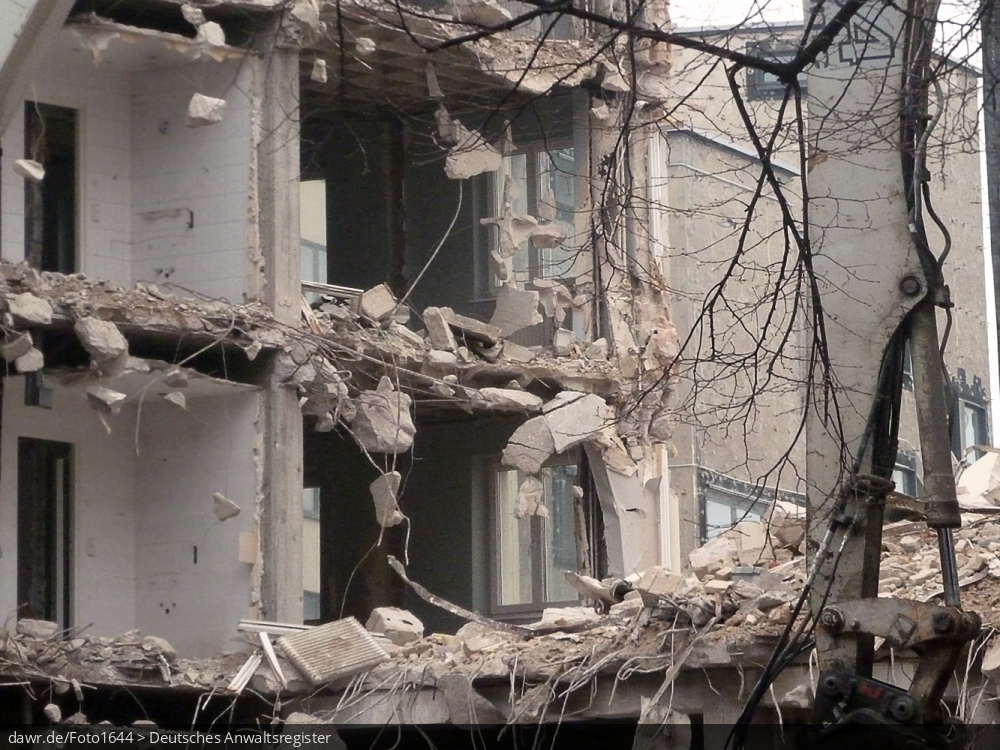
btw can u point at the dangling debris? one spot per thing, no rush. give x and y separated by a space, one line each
223 507
204 110
529 499
105 400
101 338
29 169
384 491
382 422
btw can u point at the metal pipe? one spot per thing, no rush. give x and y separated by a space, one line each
949 568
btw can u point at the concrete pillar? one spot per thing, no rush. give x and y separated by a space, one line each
281 511
278 226
278 184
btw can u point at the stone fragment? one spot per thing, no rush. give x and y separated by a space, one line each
15 345
53 713
441 358
598 349
530 446
193 15
924 575
156 645
517 353
29 169
529 499
717 586
204 110
384 491
104 399
101 338
210 33
223 507
798 697
507 399
28 309
472 329
403 332
398 625
176 398
382 421
479 12
574 418
771 599
516 309
377 303
471 156
438 330
563 342
40 630
712 556
466 706
31 361
656 582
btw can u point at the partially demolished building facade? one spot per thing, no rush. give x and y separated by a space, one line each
285 293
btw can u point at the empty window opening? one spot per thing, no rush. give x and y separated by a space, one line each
45 530
311 572
972 430
312 231
50 137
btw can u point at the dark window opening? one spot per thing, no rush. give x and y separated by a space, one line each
45 530
50 137
970 428
761 85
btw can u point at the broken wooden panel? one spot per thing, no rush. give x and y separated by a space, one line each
338 649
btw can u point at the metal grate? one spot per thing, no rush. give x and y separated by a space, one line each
337 649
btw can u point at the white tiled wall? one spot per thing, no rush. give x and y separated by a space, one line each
201 173
138 156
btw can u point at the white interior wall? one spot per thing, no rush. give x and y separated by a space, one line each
201 172
187 456
102 94
137 156
104 483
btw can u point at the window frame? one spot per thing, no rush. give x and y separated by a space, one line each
532 149
981 427
762 86
906 464
493 467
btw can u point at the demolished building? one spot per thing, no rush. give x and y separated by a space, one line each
285 295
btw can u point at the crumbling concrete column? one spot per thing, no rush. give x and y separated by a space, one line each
278 183
281 505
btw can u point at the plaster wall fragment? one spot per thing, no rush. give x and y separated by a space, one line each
530 446
508 399
398 625
574 418
101 338
438 330
377 303
529 501
223 507
31 361
28 309
205 110
29 169
516 309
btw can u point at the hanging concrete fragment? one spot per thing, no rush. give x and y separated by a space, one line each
223 507
530 499
205 110
516 309
382 423
530 446
101 338
319 71
507 399
471 154
574 418
210 34
384 491
193 15
29 169
105 400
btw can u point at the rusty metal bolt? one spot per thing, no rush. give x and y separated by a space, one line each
831 620
910 286
943 622
903 708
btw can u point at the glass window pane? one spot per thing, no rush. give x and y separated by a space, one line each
513 544
310 552
557 202
718 518
312 229
557 532
514 166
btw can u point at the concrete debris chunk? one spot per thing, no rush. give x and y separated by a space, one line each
597 349
516 309
28 309
101 338
159 646
590 588
798 697
438 330
472 329
529 500
574 418
479 12
716 554
176 398
53 713
530 446
193 15
105 400
211 34
382 421
563 342
384 491
991 663
508 399
471 156
15 345
656 584
31 361
319 71
205 110
466 707
398 625
517 353
378 303
223 507
40 630
439 358
365 46
29 169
